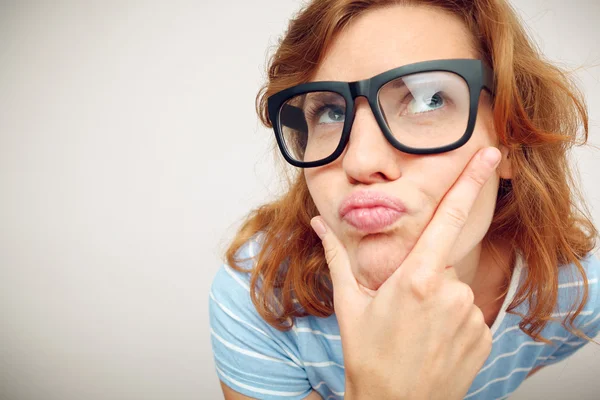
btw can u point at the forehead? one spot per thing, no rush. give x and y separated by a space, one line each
389 37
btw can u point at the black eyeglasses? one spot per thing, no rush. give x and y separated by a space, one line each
424 108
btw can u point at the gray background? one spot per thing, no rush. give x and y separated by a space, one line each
129 151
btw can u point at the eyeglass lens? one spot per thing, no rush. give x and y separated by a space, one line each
423 110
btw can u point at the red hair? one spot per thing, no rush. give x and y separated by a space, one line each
537 113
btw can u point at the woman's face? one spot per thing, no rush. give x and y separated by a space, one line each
377 41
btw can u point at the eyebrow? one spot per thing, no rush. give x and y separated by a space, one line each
324 97
396 83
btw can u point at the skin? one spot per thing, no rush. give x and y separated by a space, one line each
377 41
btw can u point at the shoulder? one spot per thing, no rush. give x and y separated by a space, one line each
251 356
230 288
590 263
571 285
230 280
570 279
570 292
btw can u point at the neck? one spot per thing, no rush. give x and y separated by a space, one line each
485 274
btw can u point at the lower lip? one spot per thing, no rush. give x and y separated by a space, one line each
373 219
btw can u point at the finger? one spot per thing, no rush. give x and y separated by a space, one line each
450 273
435 244
337 258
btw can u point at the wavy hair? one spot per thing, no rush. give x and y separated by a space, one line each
538 112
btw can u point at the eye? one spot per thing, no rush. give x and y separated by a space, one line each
325 114
426 103
331 114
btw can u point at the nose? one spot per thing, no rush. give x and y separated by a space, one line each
369 157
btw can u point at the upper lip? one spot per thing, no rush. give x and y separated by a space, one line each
369 199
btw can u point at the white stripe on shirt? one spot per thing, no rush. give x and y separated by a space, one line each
512 328
280 382
322 364
511 353
234 276
298 363
578 283
591 321
331 390
315 332
251 353
498 380
232 315
563 314
259 390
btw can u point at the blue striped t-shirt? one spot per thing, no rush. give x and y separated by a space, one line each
259 361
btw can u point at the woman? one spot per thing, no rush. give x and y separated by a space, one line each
428 246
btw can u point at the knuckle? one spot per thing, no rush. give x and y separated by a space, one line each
331 253
457 217
423 284
461 293
468 295
460 299
487 337
485 340
488 340
482 335
476 318
476 176
331 258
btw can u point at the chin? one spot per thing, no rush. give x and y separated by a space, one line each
373 279
374 264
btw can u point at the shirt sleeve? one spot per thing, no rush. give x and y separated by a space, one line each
589 320
251 357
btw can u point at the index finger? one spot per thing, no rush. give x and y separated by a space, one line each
435 243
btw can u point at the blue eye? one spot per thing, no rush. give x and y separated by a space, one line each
331 115
426 104
326 114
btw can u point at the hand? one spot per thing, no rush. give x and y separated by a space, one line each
419 336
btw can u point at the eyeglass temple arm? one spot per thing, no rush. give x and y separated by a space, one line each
488 79
293 117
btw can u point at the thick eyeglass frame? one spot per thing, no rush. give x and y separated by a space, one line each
474 72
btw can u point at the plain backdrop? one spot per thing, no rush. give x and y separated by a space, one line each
129 152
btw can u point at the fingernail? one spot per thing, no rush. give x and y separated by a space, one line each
318 226
491 156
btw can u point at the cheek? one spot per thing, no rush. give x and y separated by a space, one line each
479 221
319 189
437 176
435 181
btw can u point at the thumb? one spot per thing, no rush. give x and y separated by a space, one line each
336 256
